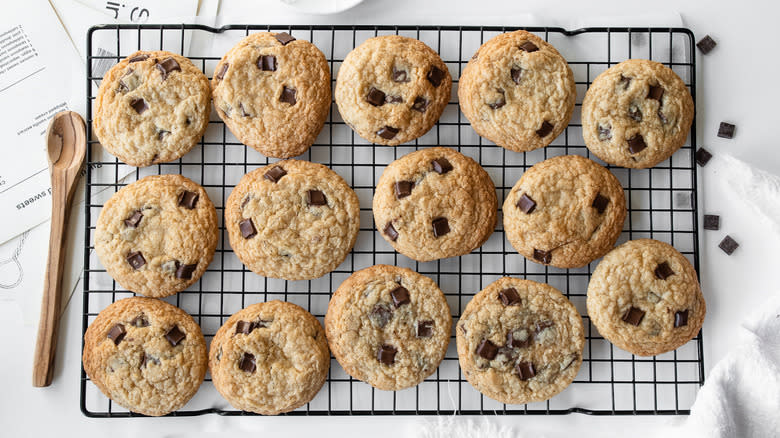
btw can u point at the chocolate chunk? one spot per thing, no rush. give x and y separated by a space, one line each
528 47
185 271
175 335
545 129
168 65
424 329
400 296
636 144
711 222
635 113
726 130
435 76
391 232
140 321
139 105
266 62
655 92
633 316
728 245
420 104
380 315
188 199
316 197
222 71
388 132
487 349
247 363
500 102
288 95
136 260
386 354
516 72
706 44
142 57
117 333
440 226
663 271
394 99
703 156
543 256
540 326
400 75
604 133
246 201
625 81
244 113
244 327
162 133
284 38
146 359
526 204
600 203
134 219
403 188
441 165
681 318
525 370
247 228
509 296
519 338
375 97
274 174
661 116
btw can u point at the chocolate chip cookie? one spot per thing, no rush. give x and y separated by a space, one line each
152 107
392 89
644 297
520 341
269 358
636 114
435 203
157 236
292 219
388 326
146 355
565 211
517 91
273 93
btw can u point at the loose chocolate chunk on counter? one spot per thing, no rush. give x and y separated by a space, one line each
117 333
274 174
440 226
168 65
266 62
400 296
633 316
526 204
703 156
288 95
519 338
424 329
400 75
706 44
403 188
375 97
636 144
726 130
175 335
188 199
655 92
247 363
247 228
543 256
136 260
284 38
244 327
663 271
517 73
139 105
386 354
140 321
487 349
316 197
545 129
728 245
142 57
420 104
528 47
509 296
600 203
681 318
388 132
435 76
184 272
441 165
391 232
380 315
223 70
525 370
134 219
711 222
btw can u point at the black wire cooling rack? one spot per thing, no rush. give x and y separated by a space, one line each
661 202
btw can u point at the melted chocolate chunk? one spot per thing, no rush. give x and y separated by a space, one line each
500 102
266 62
711 222
600 203
726 130
525 370
441 165
625 81
636 144
247 228
403 188
375 97
188 199
604 133
728 245
420 104
528 47
400 296
517 73
175 335
284 38
487 349
391 232
435 76
509 296
633 316
703 156
526 204
288 95
244 327
117 333
519 339
386 354
316 197
134 219
681 318
394 99
247 363
661 116
142 57
635 113
424 329
655 92
400 75
388 132
139 105
440 226
184 272
274 174
136 260
222 71
545 129
140 321
167 66
540 326
380 315
543 256
162 133
706 44
663 271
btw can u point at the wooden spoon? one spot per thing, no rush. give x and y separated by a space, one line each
67 144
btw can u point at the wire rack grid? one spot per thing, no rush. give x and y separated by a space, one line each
661 202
